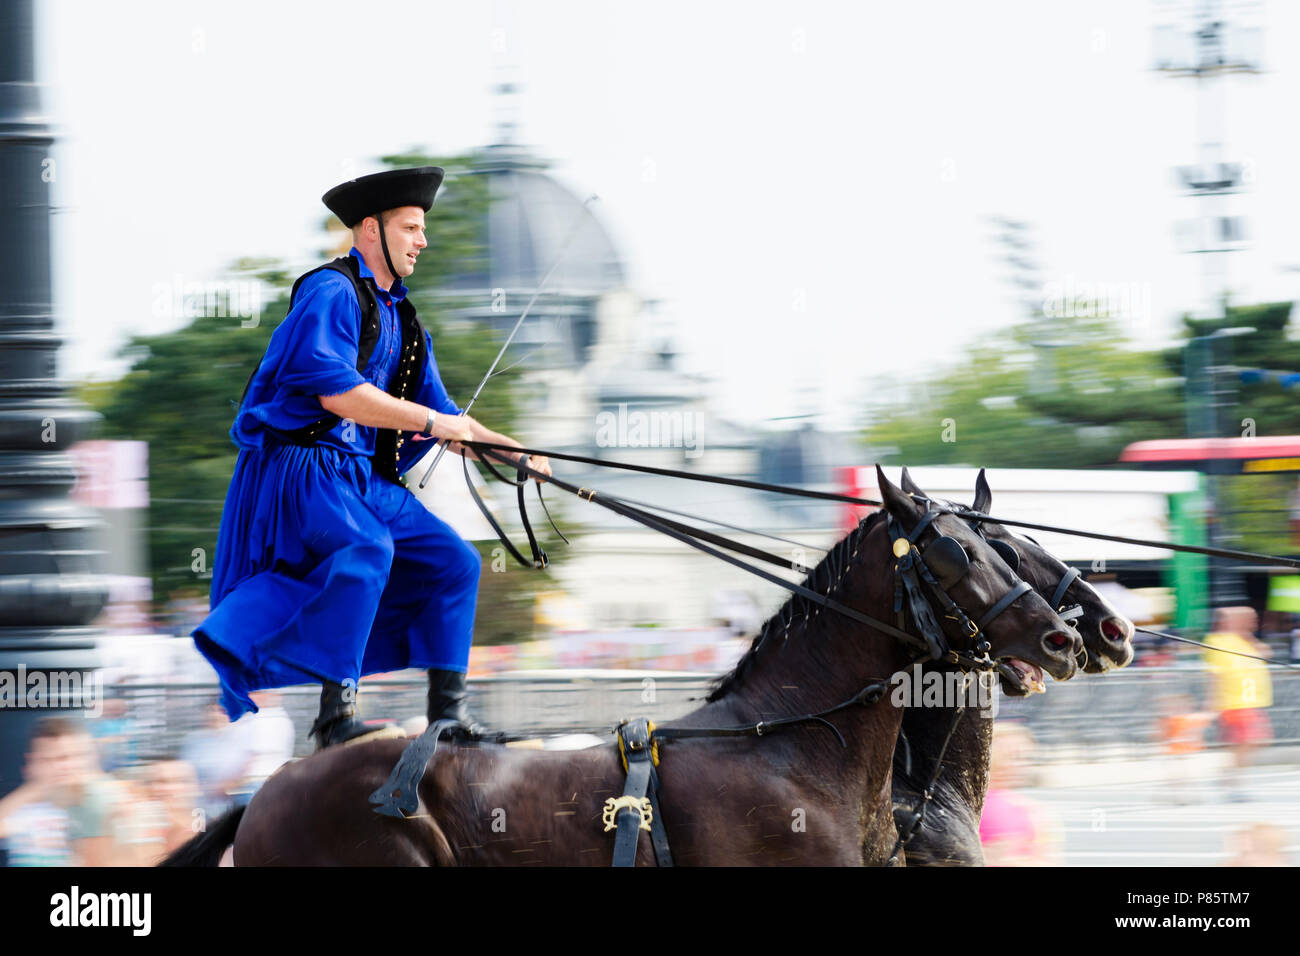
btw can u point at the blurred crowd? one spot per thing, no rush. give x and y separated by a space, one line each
86 801
1016 830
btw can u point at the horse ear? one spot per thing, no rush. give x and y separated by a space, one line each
896 502
910 486
983 494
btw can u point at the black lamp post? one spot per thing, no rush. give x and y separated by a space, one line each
49 588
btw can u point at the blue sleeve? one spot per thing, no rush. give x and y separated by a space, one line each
320 356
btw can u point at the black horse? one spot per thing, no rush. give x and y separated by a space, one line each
799 796
949 834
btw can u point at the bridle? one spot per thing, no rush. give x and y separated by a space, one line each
1071 613
951 564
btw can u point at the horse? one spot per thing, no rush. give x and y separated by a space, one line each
949 835
814 793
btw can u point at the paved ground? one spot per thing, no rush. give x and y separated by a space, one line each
1178 816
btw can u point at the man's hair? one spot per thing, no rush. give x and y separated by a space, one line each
49 728
381 216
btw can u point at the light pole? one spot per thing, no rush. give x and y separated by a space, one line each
1202 373
49 586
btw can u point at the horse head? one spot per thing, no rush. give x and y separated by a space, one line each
1106 634
1025 634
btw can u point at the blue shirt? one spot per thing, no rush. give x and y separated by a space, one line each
314 352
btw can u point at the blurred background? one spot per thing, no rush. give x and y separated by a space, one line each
1056 241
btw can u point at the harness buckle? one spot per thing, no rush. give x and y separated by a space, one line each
636 737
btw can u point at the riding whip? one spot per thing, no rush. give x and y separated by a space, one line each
559 256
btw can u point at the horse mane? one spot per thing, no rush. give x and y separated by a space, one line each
824 578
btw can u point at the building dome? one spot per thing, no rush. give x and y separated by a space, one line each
530 217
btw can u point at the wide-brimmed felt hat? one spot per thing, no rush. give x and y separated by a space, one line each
355 199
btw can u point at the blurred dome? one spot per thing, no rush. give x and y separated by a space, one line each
530 217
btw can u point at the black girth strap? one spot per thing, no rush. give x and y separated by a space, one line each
640 797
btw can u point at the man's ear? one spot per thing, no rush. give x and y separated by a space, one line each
983 494
896 502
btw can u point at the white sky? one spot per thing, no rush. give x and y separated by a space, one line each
842 155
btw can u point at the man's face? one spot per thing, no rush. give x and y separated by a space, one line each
58 762
405 230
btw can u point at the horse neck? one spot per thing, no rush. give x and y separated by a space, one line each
965 770
824 660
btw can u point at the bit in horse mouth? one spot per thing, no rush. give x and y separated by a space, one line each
1027 677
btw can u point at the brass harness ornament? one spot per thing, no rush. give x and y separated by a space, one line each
614 804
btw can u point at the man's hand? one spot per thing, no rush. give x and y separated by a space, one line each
537 463
454 428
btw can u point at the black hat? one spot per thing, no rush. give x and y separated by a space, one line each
355 199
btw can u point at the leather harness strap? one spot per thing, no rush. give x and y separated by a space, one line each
639 808
400 795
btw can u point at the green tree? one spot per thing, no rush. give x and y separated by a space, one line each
1077 397
1017 402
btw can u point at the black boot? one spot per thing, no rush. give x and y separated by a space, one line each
448 700
338 721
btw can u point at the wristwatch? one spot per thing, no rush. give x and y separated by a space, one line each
428 423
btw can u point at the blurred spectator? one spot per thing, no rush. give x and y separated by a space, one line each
1258 844
1150 651
1013 829
33 827
1181 730
165 813
1242 688
218 759
62 774
114 735
266 741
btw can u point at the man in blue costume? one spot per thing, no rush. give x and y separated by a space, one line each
327 568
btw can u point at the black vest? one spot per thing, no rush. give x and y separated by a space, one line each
405 383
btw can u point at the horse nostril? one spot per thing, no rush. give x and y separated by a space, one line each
1115 629
1058 641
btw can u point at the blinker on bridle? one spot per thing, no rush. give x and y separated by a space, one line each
941 565
1011 556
